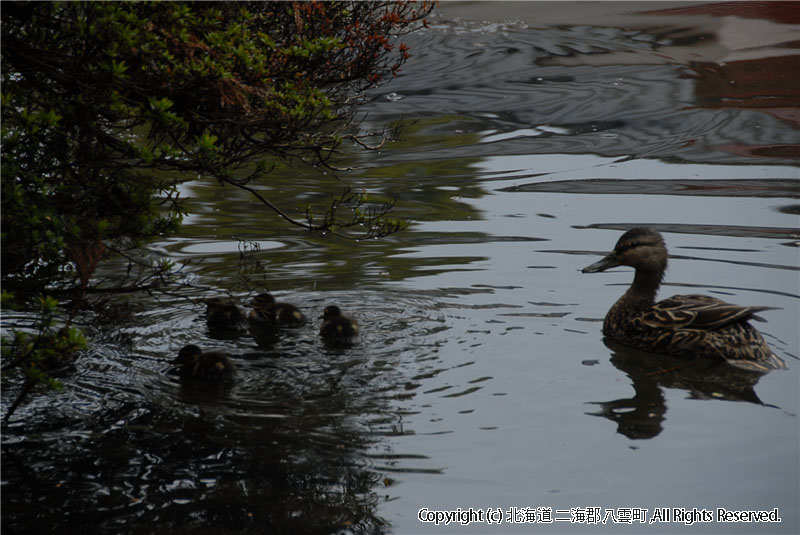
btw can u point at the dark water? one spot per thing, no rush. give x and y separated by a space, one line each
481 379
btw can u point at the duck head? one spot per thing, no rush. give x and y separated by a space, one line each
331 311
641 248
189 354
263 301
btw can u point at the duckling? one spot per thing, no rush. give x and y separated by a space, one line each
682 325
212 366
337 330
266 310
225 315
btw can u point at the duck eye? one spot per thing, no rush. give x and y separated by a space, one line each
628 246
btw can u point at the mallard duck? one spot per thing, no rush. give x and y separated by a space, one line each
337 330
267 312
682 325
225 315
213 366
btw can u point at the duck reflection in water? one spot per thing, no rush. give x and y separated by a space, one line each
642 416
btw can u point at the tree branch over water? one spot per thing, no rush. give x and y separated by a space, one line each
107 107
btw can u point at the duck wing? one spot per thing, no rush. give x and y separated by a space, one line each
698 312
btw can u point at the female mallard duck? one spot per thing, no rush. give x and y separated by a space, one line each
212 366
225 315
683 325
266 312
337 330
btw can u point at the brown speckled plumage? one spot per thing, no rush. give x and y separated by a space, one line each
682 325
266 312
337 330
194 363
224 314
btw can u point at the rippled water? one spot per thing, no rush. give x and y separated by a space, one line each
481 378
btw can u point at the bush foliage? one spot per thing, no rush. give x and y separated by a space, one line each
107 106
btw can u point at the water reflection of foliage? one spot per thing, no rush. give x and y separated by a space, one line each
286 448
185 472
425 191
641 416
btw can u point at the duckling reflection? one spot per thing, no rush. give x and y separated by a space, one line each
642 416
225 317
267 311
212 366
337 330
682 325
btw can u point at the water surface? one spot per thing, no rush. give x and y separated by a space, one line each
481 380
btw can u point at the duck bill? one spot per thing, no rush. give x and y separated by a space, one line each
607 262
